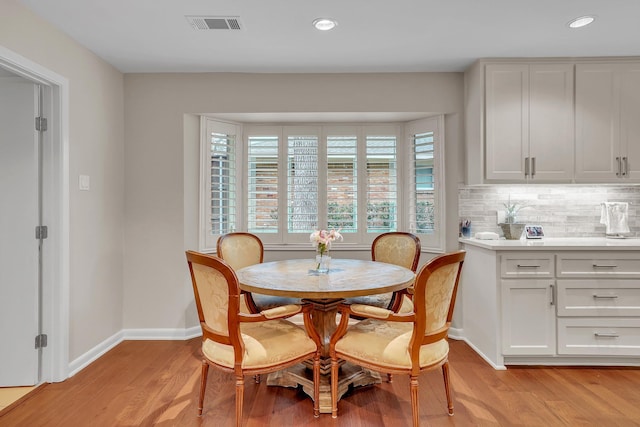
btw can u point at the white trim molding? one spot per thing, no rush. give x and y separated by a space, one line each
95 353
160 334
55 358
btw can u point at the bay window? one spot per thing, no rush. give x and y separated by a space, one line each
283 182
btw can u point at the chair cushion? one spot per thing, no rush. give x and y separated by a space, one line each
380 300
265 302
387 343
266 343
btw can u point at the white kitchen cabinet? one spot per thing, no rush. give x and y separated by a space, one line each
551 303
529 122
528 307
607 125
599 336
528 317
598 303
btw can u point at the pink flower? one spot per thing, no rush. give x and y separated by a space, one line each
322 239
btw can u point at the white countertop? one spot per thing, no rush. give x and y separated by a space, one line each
563 243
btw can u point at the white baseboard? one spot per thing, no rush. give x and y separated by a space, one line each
456 333
162 334
486 359
95 353
130 334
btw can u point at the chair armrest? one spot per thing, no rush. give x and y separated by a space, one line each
370 311
282 311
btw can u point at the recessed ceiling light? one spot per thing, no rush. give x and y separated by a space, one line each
324 24
581 22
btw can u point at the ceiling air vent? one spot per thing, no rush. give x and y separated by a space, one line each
214 22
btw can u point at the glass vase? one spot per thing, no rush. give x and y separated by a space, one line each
323 260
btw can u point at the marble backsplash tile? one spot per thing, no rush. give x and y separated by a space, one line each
563 210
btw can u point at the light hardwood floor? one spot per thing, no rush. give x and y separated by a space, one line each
145 383
10 395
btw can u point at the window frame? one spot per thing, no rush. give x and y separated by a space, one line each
405 191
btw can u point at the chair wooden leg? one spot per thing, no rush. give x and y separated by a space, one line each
316 386
415 409
447 386
239 399
334 388
203 386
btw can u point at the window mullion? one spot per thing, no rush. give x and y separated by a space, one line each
362 185
282 187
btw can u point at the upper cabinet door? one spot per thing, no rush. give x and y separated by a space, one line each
551 122
507 121
630 121
529 122
597 147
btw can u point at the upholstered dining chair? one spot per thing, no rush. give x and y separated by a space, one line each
244 343
403 343
397 248
240 250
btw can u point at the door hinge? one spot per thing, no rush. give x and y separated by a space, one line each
41 124
41 341
42 232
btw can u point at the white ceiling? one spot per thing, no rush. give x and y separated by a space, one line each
372 35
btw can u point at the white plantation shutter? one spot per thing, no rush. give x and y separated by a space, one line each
302 183
342 183
223 183
262 184
283 182
219 176
426 183
382 184
423 183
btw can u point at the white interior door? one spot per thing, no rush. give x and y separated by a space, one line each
19 215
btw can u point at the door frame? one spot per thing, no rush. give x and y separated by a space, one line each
55 287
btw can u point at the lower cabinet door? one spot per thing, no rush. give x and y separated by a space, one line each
528 317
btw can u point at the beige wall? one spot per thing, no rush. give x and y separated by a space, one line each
161 154
96 148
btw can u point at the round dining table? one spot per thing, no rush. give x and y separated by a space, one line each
346 278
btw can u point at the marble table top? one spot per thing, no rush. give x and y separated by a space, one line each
346 278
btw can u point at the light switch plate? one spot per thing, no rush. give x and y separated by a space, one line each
84 182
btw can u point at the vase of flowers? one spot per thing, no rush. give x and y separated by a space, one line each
321 240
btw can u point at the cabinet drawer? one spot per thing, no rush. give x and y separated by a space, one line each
526 265
599 336
599 264
604 298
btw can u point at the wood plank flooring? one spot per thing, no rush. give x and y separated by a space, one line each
155 383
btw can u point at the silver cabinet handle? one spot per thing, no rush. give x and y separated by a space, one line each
604 266
533 166
526 167
605 335
528 266
625 164
619 166
553 295
596 296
